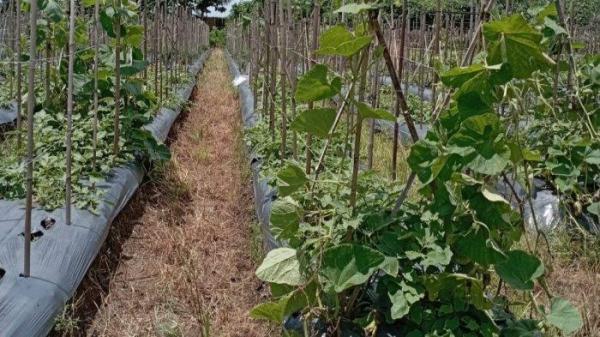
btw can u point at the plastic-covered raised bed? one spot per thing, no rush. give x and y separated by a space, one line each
61 254
8 114
264 195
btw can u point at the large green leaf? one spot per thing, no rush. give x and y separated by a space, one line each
426 160
53 11
564 316
512 40
338 41
479 142
520 269
594 208
314 85
478 247
286 305
135 67
348 265
285 218
540 13
436 257
456 77
315 121
281 266
106 20
402 299
270 311
592 157
134 36
290 179
365 111
522 328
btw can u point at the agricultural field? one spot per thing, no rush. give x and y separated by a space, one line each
300 168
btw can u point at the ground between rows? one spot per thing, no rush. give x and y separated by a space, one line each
180 259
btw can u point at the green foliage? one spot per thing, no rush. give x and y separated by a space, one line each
217 38
281 266
315 121
291 178
138 106
315 86
426 269
339 41
564 316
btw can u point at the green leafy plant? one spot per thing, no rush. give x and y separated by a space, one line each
138 105
354 264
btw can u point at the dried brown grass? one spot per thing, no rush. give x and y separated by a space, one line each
574 274
178 261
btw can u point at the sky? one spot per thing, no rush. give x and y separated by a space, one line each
213 13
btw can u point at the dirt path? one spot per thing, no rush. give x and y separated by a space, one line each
179 261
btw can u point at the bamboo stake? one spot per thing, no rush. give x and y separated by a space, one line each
19 71
96 64
315 42
117 117
145 24
376 28
68 141
398 102
358 130
273 77
30 109
283 62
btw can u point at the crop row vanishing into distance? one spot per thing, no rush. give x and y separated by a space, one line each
445 240
92 87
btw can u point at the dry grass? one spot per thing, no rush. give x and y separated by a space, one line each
382 154
179 260
574 273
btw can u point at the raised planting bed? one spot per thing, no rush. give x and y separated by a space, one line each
264 195
8 115
61 254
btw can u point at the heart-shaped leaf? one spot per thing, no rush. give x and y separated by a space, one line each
520 269
315 121
281 266
347 265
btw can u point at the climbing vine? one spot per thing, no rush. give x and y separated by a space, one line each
360 257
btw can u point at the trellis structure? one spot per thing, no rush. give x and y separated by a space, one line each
93 88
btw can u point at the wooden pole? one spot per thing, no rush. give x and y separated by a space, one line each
117 117
33 13
398 103
283 24
96 64
19 71
314 46
68 140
